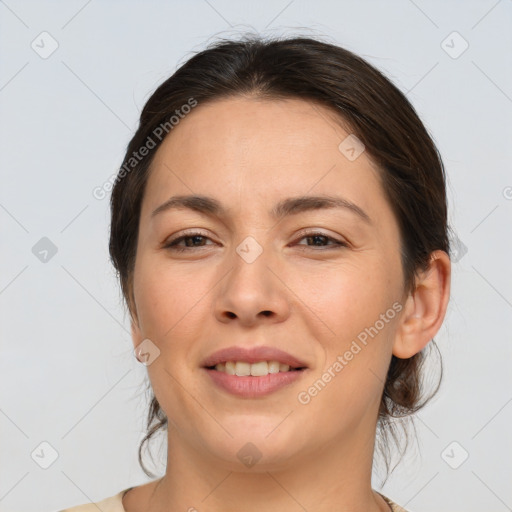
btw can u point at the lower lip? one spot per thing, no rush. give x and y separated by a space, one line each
253 387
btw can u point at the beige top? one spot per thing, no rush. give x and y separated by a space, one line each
115 504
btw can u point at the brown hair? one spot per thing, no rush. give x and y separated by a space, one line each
374 109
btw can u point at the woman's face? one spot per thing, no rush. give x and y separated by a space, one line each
322 284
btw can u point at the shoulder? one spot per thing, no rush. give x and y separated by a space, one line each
115 504
110 504
394 507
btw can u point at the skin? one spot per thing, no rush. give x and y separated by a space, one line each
249 154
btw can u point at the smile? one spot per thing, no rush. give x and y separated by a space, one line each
246 385
258 369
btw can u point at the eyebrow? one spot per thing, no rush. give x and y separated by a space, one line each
290 206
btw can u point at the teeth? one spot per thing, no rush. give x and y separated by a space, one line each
273 366
243 369
259 369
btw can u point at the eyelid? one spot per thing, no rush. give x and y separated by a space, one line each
307 231
199 232
333 243
186 232
318 231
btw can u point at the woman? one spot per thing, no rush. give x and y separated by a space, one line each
279 225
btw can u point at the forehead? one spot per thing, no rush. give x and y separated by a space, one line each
232 126
249 149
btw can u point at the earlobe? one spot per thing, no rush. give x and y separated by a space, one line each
425 308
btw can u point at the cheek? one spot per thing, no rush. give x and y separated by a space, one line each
347 296
168 299
171 314
354 302
357 346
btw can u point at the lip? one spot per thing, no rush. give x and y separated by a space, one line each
254 387
252 355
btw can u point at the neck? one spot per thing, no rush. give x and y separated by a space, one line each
336 476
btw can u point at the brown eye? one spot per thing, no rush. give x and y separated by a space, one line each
321 240
191 241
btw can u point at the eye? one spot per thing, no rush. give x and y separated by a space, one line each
317 239
192 240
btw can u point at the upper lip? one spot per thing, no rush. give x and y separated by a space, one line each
252 355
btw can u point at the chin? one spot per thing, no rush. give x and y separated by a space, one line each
258 444
252 457
265 428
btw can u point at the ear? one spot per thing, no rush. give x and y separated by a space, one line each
425 307
136 333
137 337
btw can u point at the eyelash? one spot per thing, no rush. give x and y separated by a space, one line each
174 247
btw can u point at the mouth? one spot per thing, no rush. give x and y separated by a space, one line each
253 372
259 379
255 361
256 369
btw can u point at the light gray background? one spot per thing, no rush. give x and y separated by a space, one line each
68 375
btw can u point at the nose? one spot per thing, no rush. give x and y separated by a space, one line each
252 292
